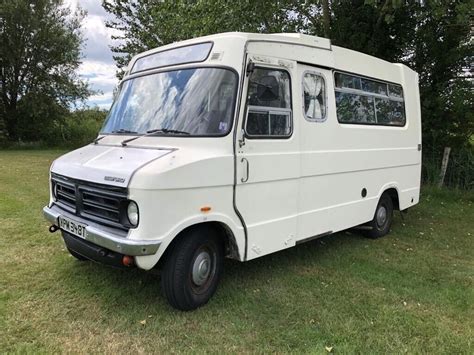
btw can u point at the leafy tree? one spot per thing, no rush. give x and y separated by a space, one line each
440 51
39 52
149 23
435 38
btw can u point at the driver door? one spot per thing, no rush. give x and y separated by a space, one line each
268 162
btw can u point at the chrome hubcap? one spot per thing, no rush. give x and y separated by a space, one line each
381 216
201 268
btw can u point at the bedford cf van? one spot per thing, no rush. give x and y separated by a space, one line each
239 145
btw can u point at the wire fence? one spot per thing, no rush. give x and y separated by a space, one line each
460 170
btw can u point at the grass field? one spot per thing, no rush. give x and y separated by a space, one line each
410 292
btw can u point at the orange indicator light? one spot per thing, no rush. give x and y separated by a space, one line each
205 209
127 260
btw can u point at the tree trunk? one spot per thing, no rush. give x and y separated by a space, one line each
326 18
444 166
11 122
3 134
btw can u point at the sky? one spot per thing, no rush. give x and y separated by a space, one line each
98 67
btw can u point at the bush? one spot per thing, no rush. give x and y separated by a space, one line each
37 116
62 130
78 128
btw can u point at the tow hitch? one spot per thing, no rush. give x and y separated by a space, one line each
53 228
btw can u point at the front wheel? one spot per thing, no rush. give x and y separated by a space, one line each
192 270
380 224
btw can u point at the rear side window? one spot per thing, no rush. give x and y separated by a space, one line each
365 101
314 97
269 104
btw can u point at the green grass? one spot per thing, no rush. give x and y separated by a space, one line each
411 291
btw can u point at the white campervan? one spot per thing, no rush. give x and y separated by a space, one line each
239 145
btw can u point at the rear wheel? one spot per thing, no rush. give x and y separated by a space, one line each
192 270
382 221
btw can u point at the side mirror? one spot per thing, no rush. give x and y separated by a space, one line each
241 138
250 68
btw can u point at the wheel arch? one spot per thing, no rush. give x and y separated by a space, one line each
220 228
392 191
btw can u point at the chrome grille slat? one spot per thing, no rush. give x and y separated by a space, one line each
97 199
67 199
102 215
66 194
96 205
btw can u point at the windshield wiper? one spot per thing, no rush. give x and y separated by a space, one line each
96 141
123 130
154 131
166 131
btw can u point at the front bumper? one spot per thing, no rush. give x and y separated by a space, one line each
93 252
104 236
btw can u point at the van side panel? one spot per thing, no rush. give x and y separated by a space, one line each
339 160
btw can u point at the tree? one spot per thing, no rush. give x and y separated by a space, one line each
440 51
435 38
326 18
40 45
378 28
148 24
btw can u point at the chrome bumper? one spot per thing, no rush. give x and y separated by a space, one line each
106 239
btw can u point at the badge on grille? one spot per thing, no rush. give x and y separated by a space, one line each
115 179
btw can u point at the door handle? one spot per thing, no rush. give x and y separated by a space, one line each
247 170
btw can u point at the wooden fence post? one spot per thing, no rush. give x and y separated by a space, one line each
444 166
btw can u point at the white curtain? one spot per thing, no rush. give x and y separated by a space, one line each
313 85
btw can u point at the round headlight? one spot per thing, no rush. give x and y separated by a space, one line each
132 213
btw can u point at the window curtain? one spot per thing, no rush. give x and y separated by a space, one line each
313 87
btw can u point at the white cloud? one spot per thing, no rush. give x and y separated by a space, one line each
98 67
101 77
98 73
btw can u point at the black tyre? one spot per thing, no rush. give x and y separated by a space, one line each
192 269
76 255
383 217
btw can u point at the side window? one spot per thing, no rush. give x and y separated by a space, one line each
364 101
354 108
314 97
269 104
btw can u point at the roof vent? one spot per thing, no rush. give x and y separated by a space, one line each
216 56
307 40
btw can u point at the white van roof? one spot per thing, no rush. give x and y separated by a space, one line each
340 58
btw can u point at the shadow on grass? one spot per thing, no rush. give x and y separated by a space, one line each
134 290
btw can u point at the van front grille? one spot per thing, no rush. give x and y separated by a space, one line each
100 203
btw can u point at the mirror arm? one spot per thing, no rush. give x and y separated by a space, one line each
241 138
250 68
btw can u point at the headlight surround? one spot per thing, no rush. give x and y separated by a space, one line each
132 213
54 191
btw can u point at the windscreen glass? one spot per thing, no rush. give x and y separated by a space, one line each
196 102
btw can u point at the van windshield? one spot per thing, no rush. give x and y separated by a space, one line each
186 102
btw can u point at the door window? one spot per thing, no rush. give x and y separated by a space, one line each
269 104
314 97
